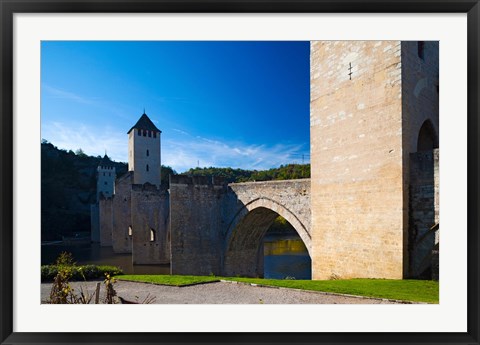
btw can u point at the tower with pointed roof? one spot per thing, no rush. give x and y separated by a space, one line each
105 178
144 152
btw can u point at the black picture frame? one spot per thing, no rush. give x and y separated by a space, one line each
9 7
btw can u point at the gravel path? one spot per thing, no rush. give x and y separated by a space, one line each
217 293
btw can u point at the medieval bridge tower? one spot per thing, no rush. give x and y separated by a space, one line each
374 157
144 152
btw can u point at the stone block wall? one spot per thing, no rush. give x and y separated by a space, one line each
94 223
121 240
424 207
196 224
356 159
106 221
149 212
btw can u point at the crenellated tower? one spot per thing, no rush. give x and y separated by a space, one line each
144 152
105 178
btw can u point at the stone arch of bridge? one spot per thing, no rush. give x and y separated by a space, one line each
243 244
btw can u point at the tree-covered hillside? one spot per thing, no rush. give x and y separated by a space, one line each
68 187
284 172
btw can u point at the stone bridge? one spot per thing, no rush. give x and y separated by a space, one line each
218 228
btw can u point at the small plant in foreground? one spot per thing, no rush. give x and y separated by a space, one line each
61 290
110 297
63 293
149 299
65 269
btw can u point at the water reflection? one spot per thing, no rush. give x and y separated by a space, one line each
286 258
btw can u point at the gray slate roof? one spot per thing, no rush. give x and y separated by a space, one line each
145 123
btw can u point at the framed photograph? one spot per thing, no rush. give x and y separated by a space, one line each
266 147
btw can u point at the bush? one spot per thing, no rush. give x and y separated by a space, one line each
49 272
112 270
85 272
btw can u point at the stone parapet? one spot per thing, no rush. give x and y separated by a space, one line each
197 180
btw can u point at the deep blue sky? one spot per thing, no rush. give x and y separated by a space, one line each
238 104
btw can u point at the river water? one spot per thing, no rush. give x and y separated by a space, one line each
284 257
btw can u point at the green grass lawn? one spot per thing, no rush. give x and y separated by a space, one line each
406 290
168 279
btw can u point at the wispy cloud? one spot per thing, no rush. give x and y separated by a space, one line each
113 109
192 151
64 94
93 141
180 131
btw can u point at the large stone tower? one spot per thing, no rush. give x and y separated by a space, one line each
144 152
105 178
373 105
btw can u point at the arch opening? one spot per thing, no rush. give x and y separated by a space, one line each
427 138
245 251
